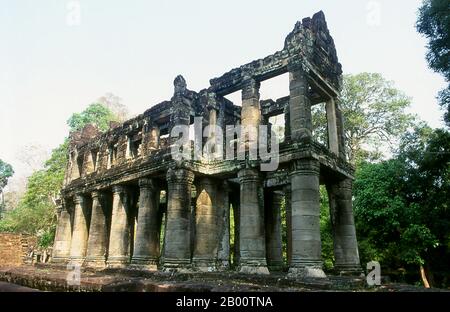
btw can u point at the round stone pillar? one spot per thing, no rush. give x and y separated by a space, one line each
251 113
344 233
119 239
300 122
63 236
146 244
206 226
305 208
80 230
177 240
273 230
288 196
251 226
223 219
98 232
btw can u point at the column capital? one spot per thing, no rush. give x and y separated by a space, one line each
250 88
248 175
180 176
147 183
305 166
118 189
97 194
78 199
342 189
346 184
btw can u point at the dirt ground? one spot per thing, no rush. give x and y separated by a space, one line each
59 278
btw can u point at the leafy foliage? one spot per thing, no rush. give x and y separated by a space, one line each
374 113
401 205
35 213
434 23
95 113
6 171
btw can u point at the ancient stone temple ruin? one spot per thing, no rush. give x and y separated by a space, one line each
126 202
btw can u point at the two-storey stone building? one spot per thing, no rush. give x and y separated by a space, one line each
127 202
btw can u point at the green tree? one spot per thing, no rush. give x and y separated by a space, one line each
401 206
434 23
6 171
374 114
96 113
35 213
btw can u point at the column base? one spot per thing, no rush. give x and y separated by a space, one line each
177 265
118 262
77 260
60 260
261 270
95 262
223 265
204 265
144 263
275 266
348 269
310 271
144 267
254 266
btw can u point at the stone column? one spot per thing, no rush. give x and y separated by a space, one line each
180 108
146 245
80 229
98 232
63 236
154 138
340 129
206 226
251 113
251 232
177 241
333 142
274 246
236 218
299 104
288 197
343 225
223 254
306 244
213 148
287 123
119 238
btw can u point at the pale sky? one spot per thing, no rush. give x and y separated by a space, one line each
53 64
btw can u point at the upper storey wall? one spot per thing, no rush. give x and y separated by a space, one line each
144 135
309 47
309 44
